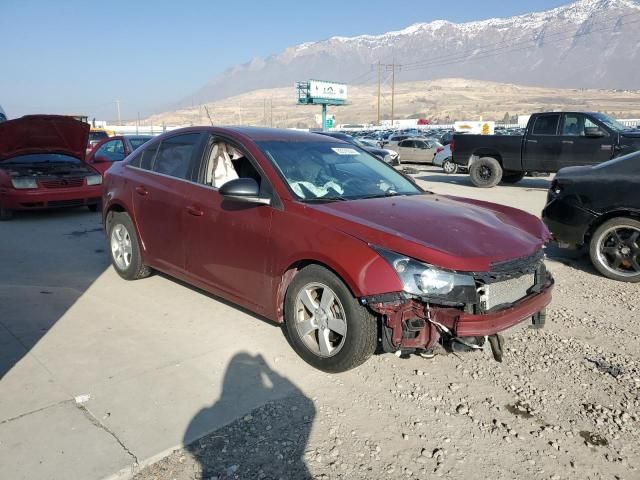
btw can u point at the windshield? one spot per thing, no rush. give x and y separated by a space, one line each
40 158
96 136
610 122
334 171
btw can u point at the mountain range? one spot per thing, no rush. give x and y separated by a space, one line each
585 44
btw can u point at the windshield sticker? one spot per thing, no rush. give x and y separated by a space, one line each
346 151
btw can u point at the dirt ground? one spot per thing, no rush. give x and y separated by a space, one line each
564 404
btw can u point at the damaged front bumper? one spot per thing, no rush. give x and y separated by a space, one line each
411 323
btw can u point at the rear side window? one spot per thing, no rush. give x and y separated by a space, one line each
175 154
546 125
145 158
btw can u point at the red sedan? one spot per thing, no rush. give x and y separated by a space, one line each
42 165
318 235
114 149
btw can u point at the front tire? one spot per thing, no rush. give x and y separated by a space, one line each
486 172
449 167
615 249
325 324
125 247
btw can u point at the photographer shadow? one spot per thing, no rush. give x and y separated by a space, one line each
269 442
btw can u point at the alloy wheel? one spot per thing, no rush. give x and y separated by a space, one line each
619 250
121 248
320 319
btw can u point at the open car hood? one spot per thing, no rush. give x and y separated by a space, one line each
33 134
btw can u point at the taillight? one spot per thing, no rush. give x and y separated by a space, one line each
439 149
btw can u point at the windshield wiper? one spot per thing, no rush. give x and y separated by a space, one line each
324 199
383 195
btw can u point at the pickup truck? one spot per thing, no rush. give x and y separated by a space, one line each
551 141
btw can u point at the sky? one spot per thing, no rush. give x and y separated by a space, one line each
80 56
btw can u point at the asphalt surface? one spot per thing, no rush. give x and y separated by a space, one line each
100 376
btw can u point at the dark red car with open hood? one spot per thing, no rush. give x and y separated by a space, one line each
42 165
315 233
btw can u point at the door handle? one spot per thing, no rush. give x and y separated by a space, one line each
568 142
142 191
195 211
532 141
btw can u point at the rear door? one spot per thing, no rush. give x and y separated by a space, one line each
542 146
577 148
160 199
230 242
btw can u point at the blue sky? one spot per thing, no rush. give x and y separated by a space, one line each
64 56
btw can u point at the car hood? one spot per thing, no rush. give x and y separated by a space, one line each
631 134
378 152
448 232
33 134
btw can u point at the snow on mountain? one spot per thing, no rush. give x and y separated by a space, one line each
585 44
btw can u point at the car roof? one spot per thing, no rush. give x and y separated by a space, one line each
258 134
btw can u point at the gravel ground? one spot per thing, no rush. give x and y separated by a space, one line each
564 404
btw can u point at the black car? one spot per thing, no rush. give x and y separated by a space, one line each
387 156
599 207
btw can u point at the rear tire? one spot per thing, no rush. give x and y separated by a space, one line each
449 167
312 322
5 214
124 247
615 249
509 177
486 172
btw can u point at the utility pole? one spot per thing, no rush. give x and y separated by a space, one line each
393 92
379 76
118 108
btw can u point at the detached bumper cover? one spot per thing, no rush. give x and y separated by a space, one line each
468 325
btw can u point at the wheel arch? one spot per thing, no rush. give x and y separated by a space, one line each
485 152
292 270
119 207
605 217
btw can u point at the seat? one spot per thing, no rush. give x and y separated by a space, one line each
220 169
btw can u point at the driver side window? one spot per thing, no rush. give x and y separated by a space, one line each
224 162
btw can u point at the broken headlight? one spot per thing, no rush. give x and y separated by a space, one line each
426 280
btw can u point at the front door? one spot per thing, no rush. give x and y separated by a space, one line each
160 191
229 242
542 147
579 149
407 151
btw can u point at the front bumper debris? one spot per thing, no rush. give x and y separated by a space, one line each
412 324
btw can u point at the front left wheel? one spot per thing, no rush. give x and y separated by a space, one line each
325 324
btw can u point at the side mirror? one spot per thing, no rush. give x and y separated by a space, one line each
593 132
243 190
100 159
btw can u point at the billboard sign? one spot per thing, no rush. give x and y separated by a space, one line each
327 90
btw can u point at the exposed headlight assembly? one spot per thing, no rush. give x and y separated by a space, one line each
94 180
428 281
24 182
